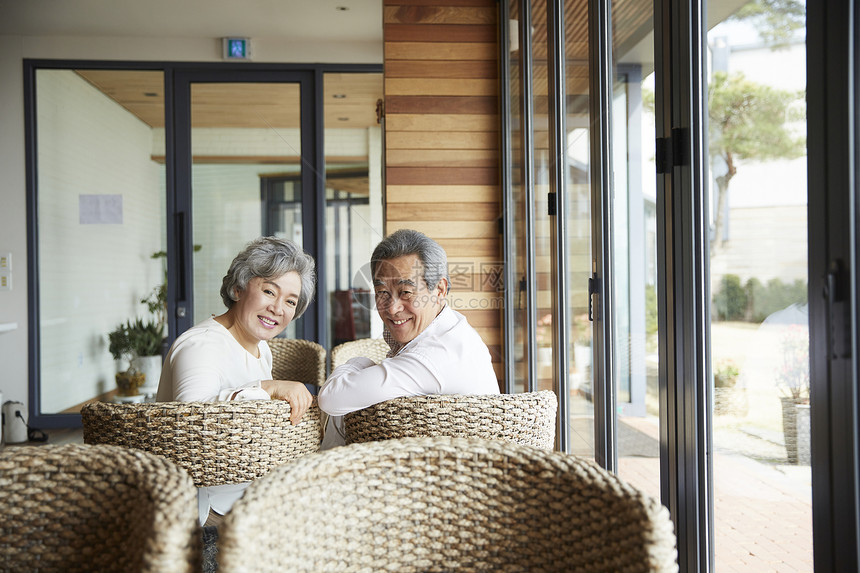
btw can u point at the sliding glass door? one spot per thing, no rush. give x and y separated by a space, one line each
96 219
146 181
245 148
668 308
759 282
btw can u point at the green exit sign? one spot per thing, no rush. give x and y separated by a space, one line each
236 48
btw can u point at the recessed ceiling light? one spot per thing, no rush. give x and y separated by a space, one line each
338 96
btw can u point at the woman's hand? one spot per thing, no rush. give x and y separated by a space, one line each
293 392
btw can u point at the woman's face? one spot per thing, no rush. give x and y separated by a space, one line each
267 306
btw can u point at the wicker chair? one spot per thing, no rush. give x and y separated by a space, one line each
217 443
527 418
374 348
95 508
299 360
445 504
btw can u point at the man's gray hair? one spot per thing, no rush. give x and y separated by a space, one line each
409 242
269 258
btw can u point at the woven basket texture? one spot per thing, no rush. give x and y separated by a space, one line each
374 348
527 418
217 443
445 504
299 360
95 508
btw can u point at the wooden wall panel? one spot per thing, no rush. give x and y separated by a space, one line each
454 122
429 51
441 33
442 157
442 144
441 69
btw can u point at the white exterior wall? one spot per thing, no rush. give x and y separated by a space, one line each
767 199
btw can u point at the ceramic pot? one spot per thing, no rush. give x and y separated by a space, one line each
150 367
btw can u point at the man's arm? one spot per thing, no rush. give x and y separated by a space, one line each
360 383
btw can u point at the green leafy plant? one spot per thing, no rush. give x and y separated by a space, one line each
777 21
136 338
726 374
765 299
156 301
141 337
651 318
730 301
129 340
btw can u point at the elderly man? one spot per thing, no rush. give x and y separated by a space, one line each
434 350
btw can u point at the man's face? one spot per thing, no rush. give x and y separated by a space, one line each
403 301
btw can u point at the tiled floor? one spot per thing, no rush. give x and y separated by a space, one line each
762 510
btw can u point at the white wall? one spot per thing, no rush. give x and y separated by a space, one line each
13 221
13 227
92 275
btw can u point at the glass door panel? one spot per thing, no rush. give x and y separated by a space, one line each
634 245
518 216
758 262
354 207
578 187
100 219
245 178
542 165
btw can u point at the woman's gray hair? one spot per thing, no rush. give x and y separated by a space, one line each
409 242
267 258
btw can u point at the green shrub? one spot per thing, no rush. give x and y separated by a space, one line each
775 295
730 300
650 309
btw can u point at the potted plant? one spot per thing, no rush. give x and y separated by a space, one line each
729 398
141 342
792 379
138 342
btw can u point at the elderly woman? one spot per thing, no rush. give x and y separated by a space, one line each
226 357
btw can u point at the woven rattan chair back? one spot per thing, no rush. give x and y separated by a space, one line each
446 504
299 360
374 348
217 443
95 508
527 418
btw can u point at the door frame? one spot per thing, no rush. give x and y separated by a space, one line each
180 274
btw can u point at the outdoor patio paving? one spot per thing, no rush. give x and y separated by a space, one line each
762 509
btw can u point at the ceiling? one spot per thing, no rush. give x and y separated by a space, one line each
349 99
301 20
311 21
